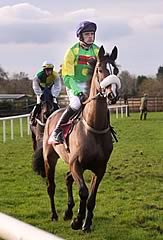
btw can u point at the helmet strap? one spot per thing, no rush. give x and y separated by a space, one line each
84 44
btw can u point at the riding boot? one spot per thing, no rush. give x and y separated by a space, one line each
57 134
34 114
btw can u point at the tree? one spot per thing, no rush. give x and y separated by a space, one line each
128 84
159 74
20 76
140 79
3 74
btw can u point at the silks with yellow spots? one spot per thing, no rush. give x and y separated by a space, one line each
75 68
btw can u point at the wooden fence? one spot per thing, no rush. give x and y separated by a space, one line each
155 104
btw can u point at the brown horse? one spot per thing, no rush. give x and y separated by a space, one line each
90 144
45 109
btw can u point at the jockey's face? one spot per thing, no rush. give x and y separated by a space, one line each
48 71
88 37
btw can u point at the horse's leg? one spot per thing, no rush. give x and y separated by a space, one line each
69 182
141 115
77 174
96 179
34 143
50 159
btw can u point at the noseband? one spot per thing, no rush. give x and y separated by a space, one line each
101 92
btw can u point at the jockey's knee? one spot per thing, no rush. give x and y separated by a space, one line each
75 103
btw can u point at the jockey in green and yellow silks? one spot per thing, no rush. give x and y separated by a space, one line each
76 69
75 73
46 77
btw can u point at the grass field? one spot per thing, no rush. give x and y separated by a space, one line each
130 198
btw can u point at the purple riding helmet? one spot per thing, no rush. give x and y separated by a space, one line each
86 26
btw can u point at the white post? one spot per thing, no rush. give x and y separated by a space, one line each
4 131
21 127
121 111
116 112
12 129
126 111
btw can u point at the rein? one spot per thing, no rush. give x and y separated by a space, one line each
40 123
100 93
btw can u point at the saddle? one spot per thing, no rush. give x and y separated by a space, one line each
68 127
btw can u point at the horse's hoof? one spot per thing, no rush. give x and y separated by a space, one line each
68 215
76 224
54 217
86 229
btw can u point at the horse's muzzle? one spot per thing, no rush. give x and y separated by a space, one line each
112 98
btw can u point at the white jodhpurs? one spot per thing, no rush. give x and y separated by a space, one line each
75 103
38 99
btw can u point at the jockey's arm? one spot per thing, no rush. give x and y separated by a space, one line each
68 72
56 88
36 87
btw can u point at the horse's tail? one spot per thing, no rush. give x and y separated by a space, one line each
38 161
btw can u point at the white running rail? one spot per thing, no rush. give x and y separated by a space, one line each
120 108
13 229
11 119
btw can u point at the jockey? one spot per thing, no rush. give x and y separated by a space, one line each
76 73
45 77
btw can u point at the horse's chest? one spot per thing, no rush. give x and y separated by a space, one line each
94 154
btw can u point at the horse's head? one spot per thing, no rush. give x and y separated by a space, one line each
106 72
47 106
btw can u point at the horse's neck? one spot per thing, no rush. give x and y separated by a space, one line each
95 112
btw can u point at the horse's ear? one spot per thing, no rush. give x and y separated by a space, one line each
101 52
114 53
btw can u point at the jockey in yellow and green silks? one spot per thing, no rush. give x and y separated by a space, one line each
46 77
75 69
75 73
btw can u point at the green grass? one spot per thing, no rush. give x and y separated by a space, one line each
129 202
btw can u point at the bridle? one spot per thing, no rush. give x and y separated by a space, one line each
101 92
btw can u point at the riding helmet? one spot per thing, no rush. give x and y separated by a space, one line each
86 26
47 64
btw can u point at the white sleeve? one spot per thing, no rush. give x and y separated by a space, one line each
36 88
56 88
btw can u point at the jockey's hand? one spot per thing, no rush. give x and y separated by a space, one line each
82 97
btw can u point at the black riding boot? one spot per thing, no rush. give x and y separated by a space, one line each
66 115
